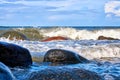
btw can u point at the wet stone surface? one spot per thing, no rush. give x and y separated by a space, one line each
63 56
61 73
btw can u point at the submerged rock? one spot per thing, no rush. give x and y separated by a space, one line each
5 73
55 73
55 38
13 55
63 56
106 38
13 35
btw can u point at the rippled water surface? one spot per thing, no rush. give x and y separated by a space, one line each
104 55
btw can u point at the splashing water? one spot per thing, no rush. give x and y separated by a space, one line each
72 33
103 54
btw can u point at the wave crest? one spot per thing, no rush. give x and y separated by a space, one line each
71 33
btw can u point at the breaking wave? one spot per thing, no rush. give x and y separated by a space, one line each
82 41
72 33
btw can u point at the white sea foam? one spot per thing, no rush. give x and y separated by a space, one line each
83 34
87 48
80 44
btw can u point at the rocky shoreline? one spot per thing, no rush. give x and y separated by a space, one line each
16 56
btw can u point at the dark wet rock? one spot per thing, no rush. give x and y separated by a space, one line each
106 38
13 35
55 38
5 73
13 55
63 56
55 73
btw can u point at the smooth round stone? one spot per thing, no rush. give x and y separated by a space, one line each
5 73
106 38
13 55
63 56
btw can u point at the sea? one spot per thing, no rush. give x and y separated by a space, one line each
83 40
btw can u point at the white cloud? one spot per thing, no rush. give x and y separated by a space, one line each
57 5
54 10
3 1
13 9
112 8
39 3
60 5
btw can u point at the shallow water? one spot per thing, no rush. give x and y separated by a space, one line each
103 54
110 71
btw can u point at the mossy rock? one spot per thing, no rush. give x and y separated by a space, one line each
13 35
31 33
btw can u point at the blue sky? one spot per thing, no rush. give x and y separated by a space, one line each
60 12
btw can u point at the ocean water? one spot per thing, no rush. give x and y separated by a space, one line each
103 54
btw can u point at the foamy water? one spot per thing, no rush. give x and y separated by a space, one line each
103 54
83 34
88 48
91 49
76 34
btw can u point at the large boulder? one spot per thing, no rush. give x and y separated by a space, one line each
55 38
58 73
13 35
5 73
63 56
13 55
106 38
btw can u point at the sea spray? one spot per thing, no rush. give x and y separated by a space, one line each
104 54
84 34
88 48
38 34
